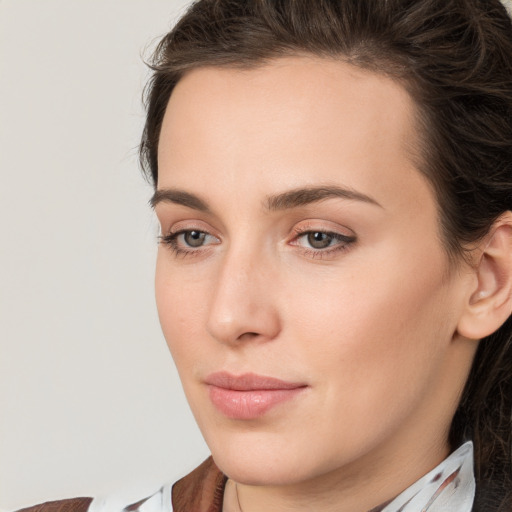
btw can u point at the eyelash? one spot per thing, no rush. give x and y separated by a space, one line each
344 242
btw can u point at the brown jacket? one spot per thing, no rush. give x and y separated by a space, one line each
200 491
74 505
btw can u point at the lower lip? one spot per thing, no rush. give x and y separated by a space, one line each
251 404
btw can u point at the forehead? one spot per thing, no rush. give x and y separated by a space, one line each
307 83
294 120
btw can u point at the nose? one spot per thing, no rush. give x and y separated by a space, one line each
244 305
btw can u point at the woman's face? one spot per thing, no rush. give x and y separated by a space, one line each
301 283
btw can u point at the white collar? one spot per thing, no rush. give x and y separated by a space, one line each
449 486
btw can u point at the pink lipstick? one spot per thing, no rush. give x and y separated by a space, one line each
249 396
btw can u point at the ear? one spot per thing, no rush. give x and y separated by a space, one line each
490 304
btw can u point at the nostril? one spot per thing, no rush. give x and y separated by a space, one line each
248 336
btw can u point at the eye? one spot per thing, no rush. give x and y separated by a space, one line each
317 243
193 238
322 239
319 240
188 241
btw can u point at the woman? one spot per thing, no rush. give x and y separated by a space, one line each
334 276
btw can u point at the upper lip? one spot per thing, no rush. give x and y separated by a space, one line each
249 382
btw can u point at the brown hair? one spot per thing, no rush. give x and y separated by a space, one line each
455 59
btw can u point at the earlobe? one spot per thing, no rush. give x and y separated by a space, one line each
490 304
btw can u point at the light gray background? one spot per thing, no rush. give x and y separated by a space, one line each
89 398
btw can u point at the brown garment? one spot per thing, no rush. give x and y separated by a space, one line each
73 505
202 490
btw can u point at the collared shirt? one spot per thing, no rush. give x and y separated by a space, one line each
448 487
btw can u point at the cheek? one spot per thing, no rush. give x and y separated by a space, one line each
376 328
180 303
374 342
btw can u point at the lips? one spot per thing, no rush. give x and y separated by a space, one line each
249 396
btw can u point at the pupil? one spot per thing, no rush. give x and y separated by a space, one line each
319 240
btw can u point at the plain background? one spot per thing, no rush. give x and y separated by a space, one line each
90 402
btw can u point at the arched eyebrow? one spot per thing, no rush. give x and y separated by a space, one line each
176 196
304 196
283 201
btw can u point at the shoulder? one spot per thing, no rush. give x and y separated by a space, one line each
72 505
202 490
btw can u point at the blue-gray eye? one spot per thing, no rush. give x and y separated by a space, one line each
194 238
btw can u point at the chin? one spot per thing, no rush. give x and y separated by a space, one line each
259 471
256 458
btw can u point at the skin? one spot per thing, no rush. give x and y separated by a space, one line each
370 326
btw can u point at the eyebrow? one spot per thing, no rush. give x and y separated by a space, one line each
304 196
284 201
169 195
